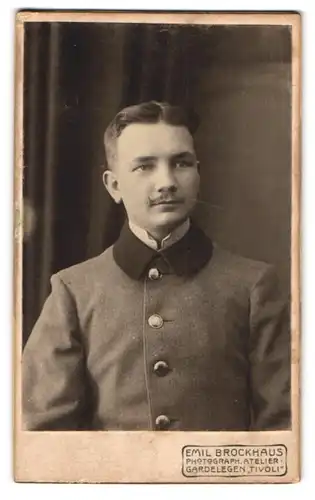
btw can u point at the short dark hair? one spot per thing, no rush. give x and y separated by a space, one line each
147 112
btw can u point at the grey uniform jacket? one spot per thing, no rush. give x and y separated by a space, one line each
189 338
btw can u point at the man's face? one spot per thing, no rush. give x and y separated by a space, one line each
156 175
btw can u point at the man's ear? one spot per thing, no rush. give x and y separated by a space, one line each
111 183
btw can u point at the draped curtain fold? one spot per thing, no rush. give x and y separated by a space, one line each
77 77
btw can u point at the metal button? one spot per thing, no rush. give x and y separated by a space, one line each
154 274
162 422
161 368
155 321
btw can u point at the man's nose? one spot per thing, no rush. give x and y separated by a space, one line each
165 179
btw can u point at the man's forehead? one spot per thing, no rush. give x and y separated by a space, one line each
142 139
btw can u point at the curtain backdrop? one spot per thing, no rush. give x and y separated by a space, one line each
78 76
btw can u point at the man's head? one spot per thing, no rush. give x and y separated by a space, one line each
152 163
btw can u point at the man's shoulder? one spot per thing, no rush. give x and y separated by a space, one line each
238 267
92 269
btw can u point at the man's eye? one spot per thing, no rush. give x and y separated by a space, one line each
144 167
184 163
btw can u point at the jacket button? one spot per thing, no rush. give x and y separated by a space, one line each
154 274
162 422
155 321
161 368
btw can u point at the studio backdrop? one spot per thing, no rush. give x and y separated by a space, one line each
79 75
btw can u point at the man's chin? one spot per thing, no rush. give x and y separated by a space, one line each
168 220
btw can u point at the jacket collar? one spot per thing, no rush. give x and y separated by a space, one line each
185 257
168 241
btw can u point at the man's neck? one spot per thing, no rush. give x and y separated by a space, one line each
163 242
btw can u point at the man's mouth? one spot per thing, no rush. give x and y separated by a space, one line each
167 202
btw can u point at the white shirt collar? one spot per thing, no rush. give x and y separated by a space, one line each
169 240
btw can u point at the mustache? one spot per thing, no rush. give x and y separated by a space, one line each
167 198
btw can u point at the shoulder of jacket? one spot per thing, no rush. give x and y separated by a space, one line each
87 270
241 266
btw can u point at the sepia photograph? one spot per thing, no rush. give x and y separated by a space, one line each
156 246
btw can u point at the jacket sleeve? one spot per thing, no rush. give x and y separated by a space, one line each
269 354
53 389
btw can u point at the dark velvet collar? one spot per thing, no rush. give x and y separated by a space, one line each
184 258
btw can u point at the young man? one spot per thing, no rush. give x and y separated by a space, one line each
164 330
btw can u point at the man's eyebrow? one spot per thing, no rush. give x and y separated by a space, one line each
183 154
143 158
